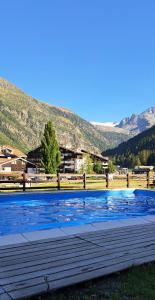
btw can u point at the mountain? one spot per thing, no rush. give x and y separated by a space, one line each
110 127
130 126
111 132
138 122
105 124
22 120
139 150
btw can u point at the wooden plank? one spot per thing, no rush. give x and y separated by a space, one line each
15 247
42 254
124 236
57 270
49 253
1 291
73 255
99 242
46 256
97 269
118 231
129 242
108 232
28 266
72 260
30 291
5 296
40 288
40 247
39 266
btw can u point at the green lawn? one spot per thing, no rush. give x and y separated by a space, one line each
137 283
92 184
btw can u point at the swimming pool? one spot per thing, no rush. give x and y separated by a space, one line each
27 212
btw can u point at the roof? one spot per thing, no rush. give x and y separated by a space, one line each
71 150
96 155
6 161
76 151
144 167
14 150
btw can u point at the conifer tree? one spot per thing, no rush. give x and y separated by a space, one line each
98 167
50 150
111 167
87 165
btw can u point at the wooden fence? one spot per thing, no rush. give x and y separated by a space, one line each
25 182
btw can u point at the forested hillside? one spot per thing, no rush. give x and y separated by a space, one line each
140 150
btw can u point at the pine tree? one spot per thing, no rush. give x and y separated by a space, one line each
111 167
50 150
98 167
87 165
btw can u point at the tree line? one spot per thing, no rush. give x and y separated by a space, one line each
140 150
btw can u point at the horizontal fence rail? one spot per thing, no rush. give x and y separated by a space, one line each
26 181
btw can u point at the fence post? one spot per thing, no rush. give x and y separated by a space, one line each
128 180
107 180
148 179
58 181
24 182
84 181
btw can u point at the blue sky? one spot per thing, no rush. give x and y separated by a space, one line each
95 57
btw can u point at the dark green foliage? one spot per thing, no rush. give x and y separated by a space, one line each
140 150
111 167
50 150
98 168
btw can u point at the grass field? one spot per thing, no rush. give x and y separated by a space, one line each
95 182
137 283
90 185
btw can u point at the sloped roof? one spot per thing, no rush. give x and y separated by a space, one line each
14 150
99 156
5 161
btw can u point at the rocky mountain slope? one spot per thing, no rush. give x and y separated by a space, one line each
138 122
22 120
131 126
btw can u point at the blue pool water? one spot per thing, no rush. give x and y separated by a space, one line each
35 211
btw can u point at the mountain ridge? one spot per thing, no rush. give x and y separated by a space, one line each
22 120
132 125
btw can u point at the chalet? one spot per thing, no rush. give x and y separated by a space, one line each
71 160
98 158
7 151
17 164
13 160
142 169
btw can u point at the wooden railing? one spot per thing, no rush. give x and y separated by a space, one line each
25 182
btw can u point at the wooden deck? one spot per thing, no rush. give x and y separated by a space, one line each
37 267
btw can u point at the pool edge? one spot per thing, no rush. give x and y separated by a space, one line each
43 235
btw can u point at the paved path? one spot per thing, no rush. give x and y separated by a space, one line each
36 267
